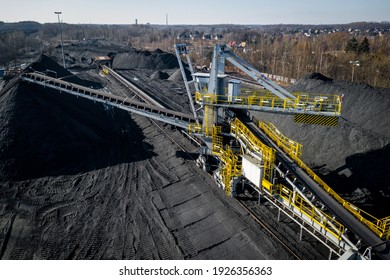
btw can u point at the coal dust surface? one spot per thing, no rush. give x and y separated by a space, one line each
81 180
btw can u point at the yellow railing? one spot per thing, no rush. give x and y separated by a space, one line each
288 145
217 141
255 145
299 203
314 214
302 103
195 128
208 121
232 166
381 227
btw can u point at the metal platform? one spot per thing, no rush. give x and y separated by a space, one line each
343 215
256 143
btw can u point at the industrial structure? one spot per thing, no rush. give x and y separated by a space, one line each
253 153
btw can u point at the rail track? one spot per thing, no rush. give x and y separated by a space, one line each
255 217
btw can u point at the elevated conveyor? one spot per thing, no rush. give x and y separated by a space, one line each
291 200
148 99
380 227
154 112
306 195
343 215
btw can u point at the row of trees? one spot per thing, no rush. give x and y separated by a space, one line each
287 54
16 46
354 46
296 55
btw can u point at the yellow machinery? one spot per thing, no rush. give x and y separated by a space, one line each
241 155
218 95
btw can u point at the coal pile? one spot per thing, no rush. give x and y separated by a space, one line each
49 67
80 55
46 133
80 180
178 77
159 75
155 60
352 157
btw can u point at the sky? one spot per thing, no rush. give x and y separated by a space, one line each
196 11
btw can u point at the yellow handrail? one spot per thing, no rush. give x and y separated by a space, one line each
282 141
302 103
255 145
232 166
381 227
314 214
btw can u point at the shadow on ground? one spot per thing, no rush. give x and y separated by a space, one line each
47 133
361 172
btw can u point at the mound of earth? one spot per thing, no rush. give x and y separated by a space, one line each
46 133
159 75
354 155
49 67
178 77
80 54
155 60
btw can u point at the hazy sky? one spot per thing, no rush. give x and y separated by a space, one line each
196 11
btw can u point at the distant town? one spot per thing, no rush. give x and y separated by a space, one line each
358 51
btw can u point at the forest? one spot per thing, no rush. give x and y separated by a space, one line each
358 52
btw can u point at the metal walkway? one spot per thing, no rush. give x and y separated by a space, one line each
186 121
287 195
381 227
326 106
154 112
346 218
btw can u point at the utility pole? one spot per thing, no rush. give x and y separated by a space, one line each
62 43
354 63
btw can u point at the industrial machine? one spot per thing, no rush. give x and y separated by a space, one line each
258 154
239 152
218 94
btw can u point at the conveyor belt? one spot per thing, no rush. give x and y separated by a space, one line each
353 224
183 121
154 112
148 99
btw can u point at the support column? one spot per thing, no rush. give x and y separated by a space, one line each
300 234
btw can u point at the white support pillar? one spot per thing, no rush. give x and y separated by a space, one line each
300 234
